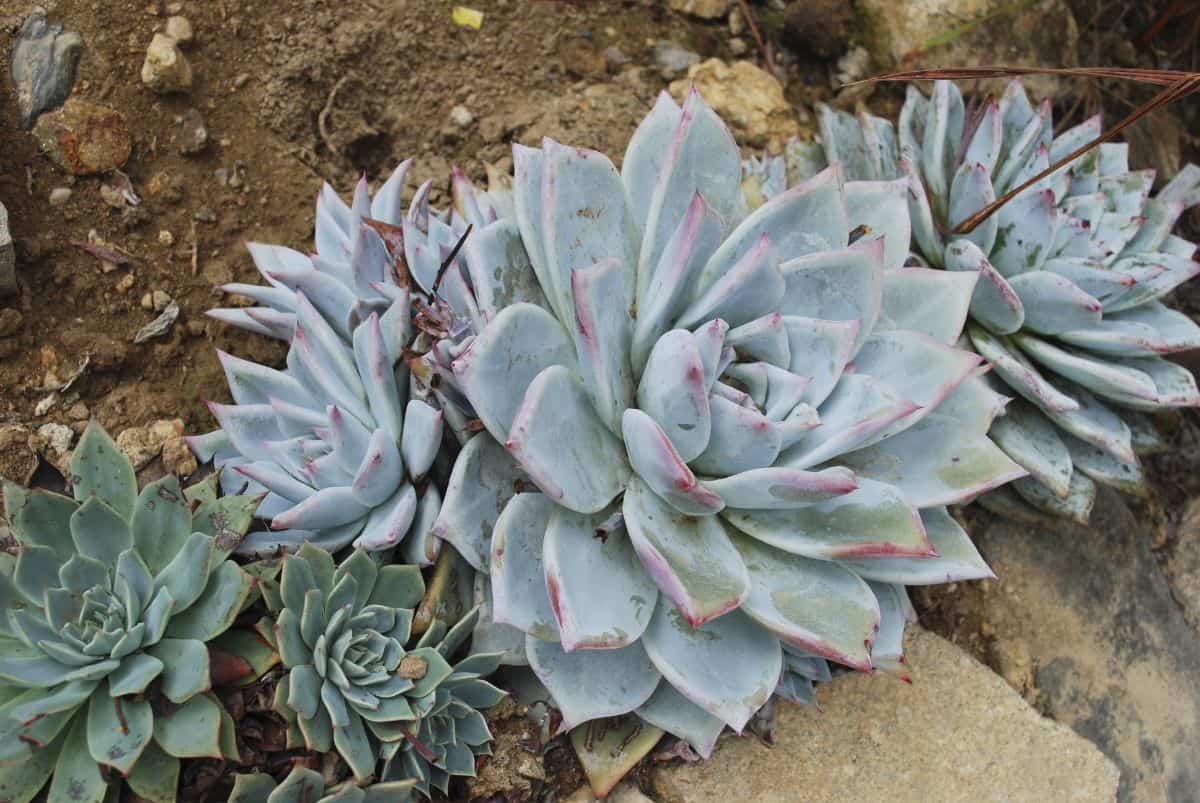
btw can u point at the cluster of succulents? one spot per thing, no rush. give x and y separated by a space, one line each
1072 271
105 616
693 426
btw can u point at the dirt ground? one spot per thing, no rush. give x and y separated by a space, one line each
298 92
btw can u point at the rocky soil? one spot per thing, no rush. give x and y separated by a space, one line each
192 126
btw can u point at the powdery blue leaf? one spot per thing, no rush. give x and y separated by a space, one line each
671 285
820 349
939 146
690 558
873 520
764 339
1174 384
603 336
741 439
926 236
935 462
930 302
1140 332
1018 372
808 218
701 157
895 611
585 218
679 716
519 595
422 437
380 472
750 289
1076 505
601 596
728 666
495 370
882 207
563 445
655 461
781 488
994 303
813 604
972 191
1030 439
673 392
839 285
983 144
500 270
957 558
482 481
1053 303
1025 233
326 508
1102 467
375 366
590 684
1105 378
647 152
860 409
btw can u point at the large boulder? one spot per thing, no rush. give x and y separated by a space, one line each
958 732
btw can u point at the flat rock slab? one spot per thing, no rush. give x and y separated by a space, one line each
1112 654
958 732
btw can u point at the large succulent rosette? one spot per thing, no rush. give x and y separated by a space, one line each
718 443
1073 271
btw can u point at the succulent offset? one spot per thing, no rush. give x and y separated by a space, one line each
708 429
351 685
107 608
1068 308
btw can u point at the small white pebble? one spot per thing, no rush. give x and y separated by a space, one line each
461 116
60 195
166 238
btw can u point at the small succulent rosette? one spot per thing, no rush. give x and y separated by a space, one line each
1069 308
303 785
106 612
342 440
718 442
353 686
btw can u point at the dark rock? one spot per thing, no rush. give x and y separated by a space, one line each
83 137
818 29
1113 654
43 65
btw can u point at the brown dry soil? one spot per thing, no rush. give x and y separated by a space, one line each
297 92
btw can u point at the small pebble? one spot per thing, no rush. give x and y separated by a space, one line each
160 300
166 238
738 47
78 411
125 284
60 195
166 69
461 116
193 134
180 29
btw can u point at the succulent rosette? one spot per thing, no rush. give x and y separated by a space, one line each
106 611
709 430
1069 306
303 785
351 683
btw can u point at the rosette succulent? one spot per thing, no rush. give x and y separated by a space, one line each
107 608
709 429
351 685
1068 309
303 785
330 440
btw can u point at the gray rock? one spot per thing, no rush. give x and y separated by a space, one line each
673 59
8 257
1112 653
958 732
43 65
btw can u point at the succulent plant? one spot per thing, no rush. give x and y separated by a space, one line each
1068 309
303 785
708 429
351 685
107 608
330 441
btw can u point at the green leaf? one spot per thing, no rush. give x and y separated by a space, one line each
228 737
609 748
156 775
205 490
36 571
135 673
253 787
226 519
363 568
302 784
321 563
100 532
354 746
41 518
157 615
249 646
297 579
398 587
437 670
292 648
118 730
214 612
316 734
81 573
187 574
185 668
161 522
193 730
77 776
98 467
21 781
